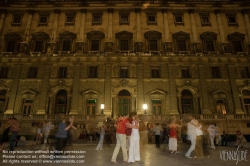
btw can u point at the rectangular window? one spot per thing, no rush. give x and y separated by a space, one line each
220 106
181 44
66 45
124 45
157 107
32 72
185 72
91 106
39 46
153 45
16 21
124 18
237 47
124 72
205 20
215 72
178 18
63 72
11 45
4 72
244 72
210 45
95 45
96 18
155 72
70 19
231 19
43 19
27 106
92 71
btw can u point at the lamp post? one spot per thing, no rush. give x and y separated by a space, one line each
145 107
102 108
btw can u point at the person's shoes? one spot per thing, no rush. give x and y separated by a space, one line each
114 162
188 156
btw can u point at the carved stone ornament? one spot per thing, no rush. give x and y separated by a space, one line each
90 93
124 85
60 86
187 86
245 86
3 85
157 93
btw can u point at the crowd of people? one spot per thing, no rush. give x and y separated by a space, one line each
130 134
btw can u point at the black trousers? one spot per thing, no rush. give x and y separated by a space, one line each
157 140
60 144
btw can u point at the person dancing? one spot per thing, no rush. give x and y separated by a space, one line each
173 135
102 134
134 148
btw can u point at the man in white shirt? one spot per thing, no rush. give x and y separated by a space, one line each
157 130
191 132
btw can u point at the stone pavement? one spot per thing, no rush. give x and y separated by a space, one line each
150 156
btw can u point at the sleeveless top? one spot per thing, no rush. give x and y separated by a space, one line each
172 132
135 132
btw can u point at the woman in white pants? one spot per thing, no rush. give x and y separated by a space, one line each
134 148
100 144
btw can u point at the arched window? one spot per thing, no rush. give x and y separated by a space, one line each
66 42
124 104
246 100
3 101
209 42
181 42
124 41
95 40
237 42
187 101
153 41
61 102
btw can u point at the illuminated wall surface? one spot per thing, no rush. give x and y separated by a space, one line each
178 57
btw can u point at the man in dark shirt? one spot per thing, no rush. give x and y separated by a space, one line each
224 139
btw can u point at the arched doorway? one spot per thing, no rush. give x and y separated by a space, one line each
246 100
61 102
3 100
124 102
187 102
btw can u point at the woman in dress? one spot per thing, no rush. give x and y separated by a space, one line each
134 148
240 139
173 135
102 134
5 137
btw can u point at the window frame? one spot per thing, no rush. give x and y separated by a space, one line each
91 105
245 73
94 16
122 22
14 16
63 71
234 16
153 15
124 72
72 16
203 23
32 73
28 105
185 74
157 105
4 72
215 72
180 15
43 15
155 72
93 72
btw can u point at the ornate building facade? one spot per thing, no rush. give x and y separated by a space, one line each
177 57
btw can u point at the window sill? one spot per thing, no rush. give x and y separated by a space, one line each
124 23
96 23
69 24
206 24
179 23
42 24
152 23
16 24
232 24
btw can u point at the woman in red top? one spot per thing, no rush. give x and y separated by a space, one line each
173 135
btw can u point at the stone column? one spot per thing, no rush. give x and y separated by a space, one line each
109 41
44 90
28 25
203 90
107 89
81 39
196 43
55 25
245 13
221 31
75 90
140 90
172 91
2 19
12 105
167 41
234 89
138 39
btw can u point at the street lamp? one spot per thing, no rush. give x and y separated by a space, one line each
102 108
145 107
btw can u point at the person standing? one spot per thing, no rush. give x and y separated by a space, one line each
212 132
14 128
191 133
5 137
173 135
102 134
157 131
38 135
199 139
128 132
224 139
47 126
120 139
240 139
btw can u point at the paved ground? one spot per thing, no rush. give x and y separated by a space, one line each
150 156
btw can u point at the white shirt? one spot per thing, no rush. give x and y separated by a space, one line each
157 130
199 131
212 130
191 130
